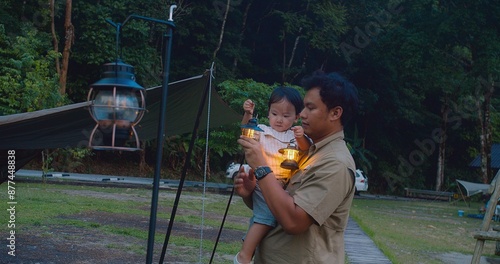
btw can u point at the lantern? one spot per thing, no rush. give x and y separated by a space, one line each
117 104
291 155
251 129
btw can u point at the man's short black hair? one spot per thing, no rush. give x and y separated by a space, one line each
335 91
288 93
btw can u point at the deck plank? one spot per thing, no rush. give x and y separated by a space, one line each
360 248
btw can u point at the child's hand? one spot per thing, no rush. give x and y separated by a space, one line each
298 131
248 106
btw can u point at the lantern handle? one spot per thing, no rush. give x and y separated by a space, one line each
118 27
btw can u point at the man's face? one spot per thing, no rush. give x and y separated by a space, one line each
315 116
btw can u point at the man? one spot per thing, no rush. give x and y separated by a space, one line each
313 210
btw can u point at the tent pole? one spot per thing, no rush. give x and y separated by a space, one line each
462 194
184 172
160 137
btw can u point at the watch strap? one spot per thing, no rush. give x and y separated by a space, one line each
262 171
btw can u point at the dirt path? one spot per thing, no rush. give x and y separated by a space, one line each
89 241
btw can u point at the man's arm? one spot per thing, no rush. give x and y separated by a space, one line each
291 217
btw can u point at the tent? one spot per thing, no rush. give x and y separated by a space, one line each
468 189
495 158
71 125
472 188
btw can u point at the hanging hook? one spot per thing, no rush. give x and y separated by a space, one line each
118 27
170 16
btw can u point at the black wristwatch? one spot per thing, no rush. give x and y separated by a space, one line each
261 172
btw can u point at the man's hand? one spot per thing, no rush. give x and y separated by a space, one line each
244 183
254 154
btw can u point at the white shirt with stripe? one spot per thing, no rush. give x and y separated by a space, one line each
271 141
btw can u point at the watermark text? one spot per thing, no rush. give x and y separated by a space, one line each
11 203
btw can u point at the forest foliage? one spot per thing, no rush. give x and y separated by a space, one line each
427 71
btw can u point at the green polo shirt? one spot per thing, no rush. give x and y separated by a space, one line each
324 188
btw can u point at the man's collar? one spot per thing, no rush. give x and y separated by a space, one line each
335 136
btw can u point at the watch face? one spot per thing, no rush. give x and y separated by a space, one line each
260 172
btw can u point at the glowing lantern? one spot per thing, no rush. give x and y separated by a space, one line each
291 155
251 129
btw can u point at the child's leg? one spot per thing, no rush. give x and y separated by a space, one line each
255 234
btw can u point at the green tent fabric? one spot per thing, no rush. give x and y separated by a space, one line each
71 125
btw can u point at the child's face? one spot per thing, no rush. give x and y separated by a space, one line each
282 115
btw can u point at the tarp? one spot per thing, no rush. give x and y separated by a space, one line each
493 182
472 188
71 125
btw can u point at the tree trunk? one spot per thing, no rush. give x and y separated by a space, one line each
242 34
286 68
283 72
442 145
295 44
490 88
55 41
292 56
482 150
302 67
228 5
484 113
69 36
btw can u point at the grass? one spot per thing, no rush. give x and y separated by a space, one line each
419 231
44 206
406 231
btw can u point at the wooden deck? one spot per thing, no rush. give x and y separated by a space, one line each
359 248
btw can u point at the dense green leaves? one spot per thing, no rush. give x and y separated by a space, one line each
28 80
236 92
418 64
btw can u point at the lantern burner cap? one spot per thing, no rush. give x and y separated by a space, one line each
118 73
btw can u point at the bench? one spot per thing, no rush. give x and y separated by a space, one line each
429 194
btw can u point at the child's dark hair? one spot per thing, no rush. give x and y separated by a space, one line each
334 90
288 93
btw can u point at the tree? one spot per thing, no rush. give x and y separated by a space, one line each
480 38
28 81
483 105
62 68
69 37
433 53
221 36
427 71
319 26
